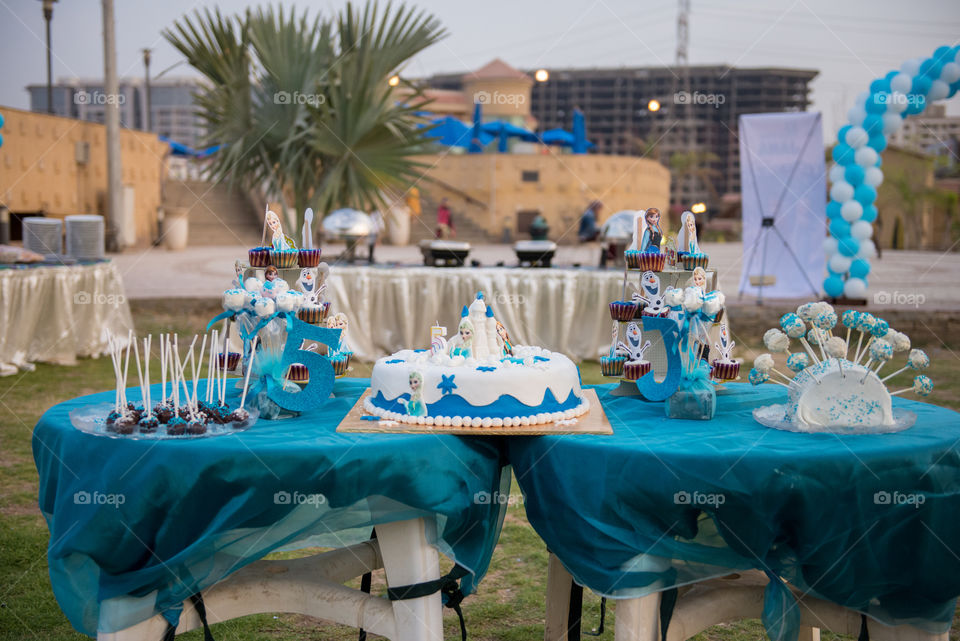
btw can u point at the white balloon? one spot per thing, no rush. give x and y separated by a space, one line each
891 122
861 98
856 115
861 230
839 264
873 176
865 157
902 82
950 73
841 191
911 66
857 137
867 250
836 172
830 245
938 90
855 288
851 211
898 102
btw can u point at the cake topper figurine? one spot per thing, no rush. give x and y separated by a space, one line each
462 343
278 240
632 349
339 321
725 346
506 344
699 279
648 231
415 406
307 233
237 282
687 236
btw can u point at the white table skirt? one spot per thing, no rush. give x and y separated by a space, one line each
564 310
55 314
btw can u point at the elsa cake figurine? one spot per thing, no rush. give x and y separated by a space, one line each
506 345
415 406
699 279
687 237
462 343
279 241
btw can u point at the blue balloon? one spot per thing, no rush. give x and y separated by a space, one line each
890 76
953 89
869 213
839 228
873 123
915 105
880 85
842 133
849 246
944 54
931 69
921 85
833 286
1 121
1 141
877 142
865 194
843 154
879 161
854 174
859 268
877 103
833 209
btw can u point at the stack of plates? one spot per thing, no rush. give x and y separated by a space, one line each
85 237
43 235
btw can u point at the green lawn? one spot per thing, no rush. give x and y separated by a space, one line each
508 606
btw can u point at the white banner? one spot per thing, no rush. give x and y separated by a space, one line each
783 178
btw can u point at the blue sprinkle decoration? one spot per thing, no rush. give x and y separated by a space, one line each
486 368
394 360
419 350
370 418
510 359
541 358
446 386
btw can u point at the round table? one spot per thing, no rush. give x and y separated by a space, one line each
866 522
142 525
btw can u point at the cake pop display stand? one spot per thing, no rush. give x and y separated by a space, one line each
593 422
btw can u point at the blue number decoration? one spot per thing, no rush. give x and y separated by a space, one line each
648 386
321 371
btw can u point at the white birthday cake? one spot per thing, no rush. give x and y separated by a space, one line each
478 378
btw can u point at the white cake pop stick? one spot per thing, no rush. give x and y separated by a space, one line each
196 379
116 372
899 371
147 344
174 357
136 354
213 341
163 371
226 358
246 380
806 346
126 369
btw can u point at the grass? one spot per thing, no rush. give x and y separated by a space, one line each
508 606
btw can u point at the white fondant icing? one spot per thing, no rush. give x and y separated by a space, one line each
830 395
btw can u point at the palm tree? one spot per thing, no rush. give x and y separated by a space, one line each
302 106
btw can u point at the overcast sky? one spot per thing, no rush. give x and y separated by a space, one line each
849 41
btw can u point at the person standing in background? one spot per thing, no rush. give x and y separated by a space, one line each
445 227
376 227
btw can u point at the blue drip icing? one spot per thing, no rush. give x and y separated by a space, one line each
504 407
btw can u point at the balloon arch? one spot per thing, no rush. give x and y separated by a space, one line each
857 174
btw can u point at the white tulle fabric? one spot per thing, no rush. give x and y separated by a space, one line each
55 314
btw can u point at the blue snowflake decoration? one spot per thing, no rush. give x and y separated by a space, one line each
511 359
417 351
446 386
541 358
393 361
486 368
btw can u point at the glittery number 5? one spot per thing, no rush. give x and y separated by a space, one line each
321 371
651 389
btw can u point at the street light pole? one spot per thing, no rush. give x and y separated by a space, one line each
115 219
48 17
146 76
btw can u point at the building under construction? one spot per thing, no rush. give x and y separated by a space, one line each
694 114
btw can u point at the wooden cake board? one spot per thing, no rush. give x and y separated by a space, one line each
593 422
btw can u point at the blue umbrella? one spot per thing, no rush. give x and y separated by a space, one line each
475 134
451 132
178 148
560 137
579 133
504 130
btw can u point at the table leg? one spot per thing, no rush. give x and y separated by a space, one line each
408 559
638 619
559 586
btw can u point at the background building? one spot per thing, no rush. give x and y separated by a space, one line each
696 115
171 105
932 132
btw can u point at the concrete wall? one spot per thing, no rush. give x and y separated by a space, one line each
565 184
39 168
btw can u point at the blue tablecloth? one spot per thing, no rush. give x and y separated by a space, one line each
868 522
161 520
